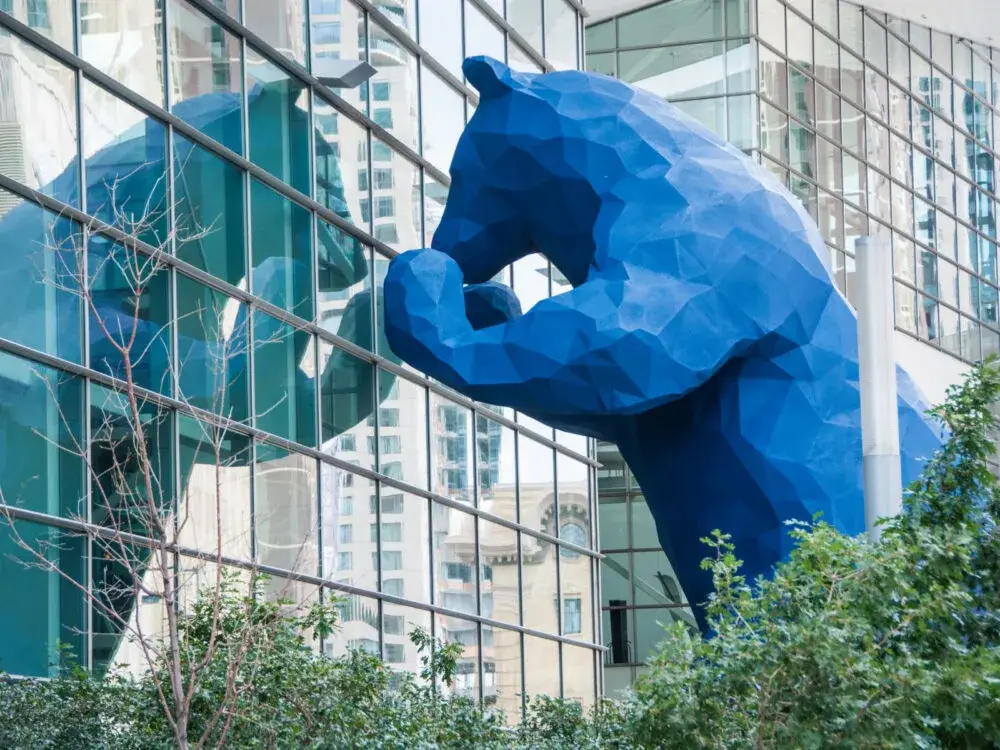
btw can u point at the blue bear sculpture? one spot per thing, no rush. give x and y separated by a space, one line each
703 334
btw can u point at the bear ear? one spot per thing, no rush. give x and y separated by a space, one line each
490 77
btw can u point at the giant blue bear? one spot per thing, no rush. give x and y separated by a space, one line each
703 334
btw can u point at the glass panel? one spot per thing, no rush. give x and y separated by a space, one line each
600 36
38 123
338 33
49 621
398 111
685 70
774 132
285 510
359 625
613 523
454 534
668 23
503 676
206 75
499 595
39 273
278 114
211 350
130 310
574 506
347 412
341 160
654 580
409 401
482 37
496 466
125 44
800 41
284 384
440 26
280 23
41 429
451 449
215 476
466 682
397 623
209 212
542 671
773 77
577 595
601 62
344 306
906 311
536 469
118 489
561 26
578 675
526 18
737 17
771 23
125 154
441 132
281 236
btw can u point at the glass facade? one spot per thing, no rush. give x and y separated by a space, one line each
200 132
881 127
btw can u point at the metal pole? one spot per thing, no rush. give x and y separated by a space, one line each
877 379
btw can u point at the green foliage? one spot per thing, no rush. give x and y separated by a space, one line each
851 644
854 644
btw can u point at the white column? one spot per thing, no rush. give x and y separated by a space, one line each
877 364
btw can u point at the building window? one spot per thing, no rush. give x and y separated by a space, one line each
371 445
348 443
390 444
395 653
386 233
392 586
380 91
391 504
383 179
572 616
344 561
326 33
363 178
363 644
392 532
385 206
325 7
346 533
458 572
394 624
38 14
393 470
391 560
328 123
365 210
574 534
383 117
388 417
347 506
381 152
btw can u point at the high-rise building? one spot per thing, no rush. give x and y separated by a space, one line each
882 120
206 128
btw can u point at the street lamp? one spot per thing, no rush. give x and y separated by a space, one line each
342 74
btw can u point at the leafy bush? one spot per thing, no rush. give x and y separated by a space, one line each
853 644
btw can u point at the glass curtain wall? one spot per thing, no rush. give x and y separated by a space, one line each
132 128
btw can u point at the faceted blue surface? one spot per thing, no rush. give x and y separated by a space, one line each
703 334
